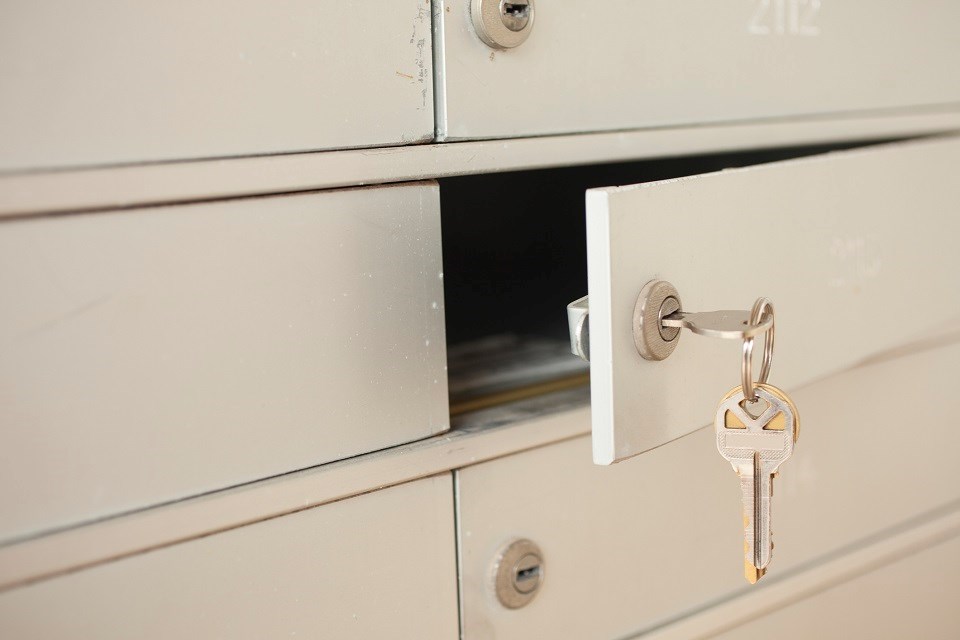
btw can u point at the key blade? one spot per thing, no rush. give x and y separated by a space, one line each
748 473
755 488
763 548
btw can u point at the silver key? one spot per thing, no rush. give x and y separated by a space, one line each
756 447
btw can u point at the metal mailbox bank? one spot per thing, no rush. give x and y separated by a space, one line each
479 319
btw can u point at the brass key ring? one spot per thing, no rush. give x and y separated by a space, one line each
761 309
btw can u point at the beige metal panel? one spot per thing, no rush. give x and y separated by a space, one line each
639 64
154 354
632 546
105 81
475 438
914 536
380 565
845 244
492 433
79 190
913 598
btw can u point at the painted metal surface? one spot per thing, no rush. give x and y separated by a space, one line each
634 546
380 565
849 246
81 190
154 354
106 82
483 436
915 536
627 64
915 597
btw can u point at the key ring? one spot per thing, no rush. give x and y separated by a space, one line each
761 309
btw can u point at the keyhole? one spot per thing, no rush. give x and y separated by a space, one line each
519 573
515 15
527 574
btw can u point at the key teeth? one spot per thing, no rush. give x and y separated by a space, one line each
752 573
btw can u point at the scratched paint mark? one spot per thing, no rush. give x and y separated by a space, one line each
785 17
68 316
856 262
422 75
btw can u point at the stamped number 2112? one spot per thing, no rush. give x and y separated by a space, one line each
785 17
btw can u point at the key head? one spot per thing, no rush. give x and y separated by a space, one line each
769 427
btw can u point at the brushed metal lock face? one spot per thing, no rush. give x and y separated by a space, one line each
502 24
518 573
656 300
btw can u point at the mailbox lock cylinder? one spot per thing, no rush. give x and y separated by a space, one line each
502 24
518 573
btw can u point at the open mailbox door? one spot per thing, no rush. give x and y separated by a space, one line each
857 249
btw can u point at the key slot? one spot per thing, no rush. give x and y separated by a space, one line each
516 10
527 574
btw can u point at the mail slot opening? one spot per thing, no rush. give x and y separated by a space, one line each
514 247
